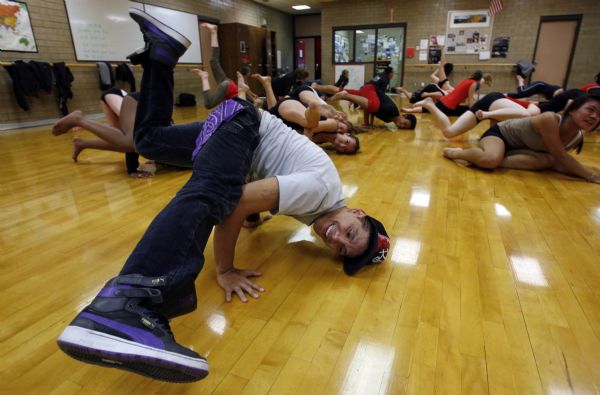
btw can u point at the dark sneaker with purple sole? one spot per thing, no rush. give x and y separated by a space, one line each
120 330
163 44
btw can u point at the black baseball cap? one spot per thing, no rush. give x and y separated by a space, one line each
377 249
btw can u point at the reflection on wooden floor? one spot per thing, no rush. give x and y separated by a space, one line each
491 285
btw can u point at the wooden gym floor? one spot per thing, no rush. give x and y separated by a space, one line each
491 284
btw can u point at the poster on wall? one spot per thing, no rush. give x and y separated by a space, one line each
16 33
468 32
435 54
500 47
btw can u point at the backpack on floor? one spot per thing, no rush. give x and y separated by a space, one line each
185 100
524 68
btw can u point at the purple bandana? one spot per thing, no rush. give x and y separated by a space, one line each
223 113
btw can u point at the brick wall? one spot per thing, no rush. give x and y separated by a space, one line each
53 38
519 19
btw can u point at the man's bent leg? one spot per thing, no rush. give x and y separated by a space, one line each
126 326
174 242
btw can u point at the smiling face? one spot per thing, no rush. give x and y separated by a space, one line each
587 116
344 143
343 231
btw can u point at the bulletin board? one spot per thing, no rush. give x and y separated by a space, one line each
468 32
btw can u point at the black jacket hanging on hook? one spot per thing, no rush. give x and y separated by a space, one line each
64 79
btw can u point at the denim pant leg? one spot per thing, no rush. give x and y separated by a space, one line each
155 104
172 145
154 136
174 243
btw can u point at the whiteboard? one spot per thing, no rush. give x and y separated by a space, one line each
356 77
102 30
186 24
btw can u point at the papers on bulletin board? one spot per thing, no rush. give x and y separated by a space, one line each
423 45
484 55
422 56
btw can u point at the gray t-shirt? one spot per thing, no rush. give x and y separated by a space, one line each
520 134
309 184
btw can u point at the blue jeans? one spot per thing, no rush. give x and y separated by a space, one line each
154 137
173 245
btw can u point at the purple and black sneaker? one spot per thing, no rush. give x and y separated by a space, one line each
119 330
163 44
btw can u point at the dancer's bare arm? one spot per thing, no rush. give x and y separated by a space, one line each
257 196
547 126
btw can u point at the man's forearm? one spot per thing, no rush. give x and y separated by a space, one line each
225 239
257 196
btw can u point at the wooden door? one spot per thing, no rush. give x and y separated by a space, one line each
556 41
229 42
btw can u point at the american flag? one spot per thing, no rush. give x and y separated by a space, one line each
495 7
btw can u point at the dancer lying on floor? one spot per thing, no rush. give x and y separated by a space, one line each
119 109
226 88
494 106
466 90
307 119
537 143
376 103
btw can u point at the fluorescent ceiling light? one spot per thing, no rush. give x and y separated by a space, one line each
301 7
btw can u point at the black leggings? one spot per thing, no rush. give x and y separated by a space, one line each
484 103
457 112
495 132
295 93
111 91
417 95
559 102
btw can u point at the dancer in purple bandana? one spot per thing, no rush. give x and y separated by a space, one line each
126 326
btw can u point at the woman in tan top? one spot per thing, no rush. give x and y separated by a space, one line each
537 143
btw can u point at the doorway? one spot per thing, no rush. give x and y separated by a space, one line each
555 47
307 55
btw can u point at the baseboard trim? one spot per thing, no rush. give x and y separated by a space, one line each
42 122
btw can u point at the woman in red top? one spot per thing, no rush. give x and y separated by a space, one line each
368 98
586 88
465 90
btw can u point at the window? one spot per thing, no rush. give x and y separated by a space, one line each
381 45
390 47
365 50
343 46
